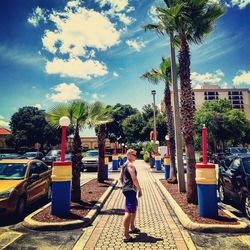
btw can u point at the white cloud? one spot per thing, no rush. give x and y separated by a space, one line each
64 92
77 31
136 44
207 78
75 67
125 19
152 13
243 77
39 106
95 96
240 3
4 123
37 16
1 117
115 74
116 5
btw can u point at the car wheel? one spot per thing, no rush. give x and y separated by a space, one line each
21 207
222 194
247 205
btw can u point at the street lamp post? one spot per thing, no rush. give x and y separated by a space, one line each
153 92
61 177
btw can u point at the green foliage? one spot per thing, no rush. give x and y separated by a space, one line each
29 126
114 130
146 157
225 126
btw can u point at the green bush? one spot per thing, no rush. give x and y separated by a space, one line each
145 157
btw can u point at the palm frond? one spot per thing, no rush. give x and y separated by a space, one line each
158 28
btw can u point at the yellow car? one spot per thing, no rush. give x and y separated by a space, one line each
22 182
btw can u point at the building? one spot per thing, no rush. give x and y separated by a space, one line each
3 133
239 97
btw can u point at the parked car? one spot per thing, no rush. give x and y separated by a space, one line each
32 155
23 182
53 155
236 151
9 156
90 160
234 181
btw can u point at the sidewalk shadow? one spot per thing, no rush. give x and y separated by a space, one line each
143 237
113 211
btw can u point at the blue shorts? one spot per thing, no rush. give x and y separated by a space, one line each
130 201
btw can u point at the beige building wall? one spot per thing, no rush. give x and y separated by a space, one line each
239 97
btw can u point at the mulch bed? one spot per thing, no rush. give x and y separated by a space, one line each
91 192
192 210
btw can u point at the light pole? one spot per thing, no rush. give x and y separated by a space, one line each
153 92
61 177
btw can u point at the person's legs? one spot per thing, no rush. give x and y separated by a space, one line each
132 221
126 223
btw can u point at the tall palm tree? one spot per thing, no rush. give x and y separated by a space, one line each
165 26
163 73
194 20
77 112
188 21
98 116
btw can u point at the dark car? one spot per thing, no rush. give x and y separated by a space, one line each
53 155
32 155
236 151
234 181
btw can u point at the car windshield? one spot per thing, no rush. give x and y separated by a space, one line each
238 150
92 153
30 154
12 171
246 163
54 153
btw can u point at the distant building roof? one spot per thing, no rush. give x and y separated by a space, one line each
4 131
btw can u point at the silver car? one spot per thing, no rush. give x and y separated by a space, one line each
90 161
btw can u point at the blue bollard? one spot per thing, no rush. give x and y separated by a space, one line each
106 161
114 162
61 184
167 167
158 162
207 190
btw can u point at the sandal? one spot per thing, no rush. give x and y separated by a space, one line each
130 239
135 231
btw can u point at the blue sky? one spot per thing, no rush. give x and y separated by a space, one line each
57 51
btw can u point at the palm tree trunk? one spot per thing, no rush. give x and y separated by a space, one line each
170 124
76 166
101 141
187 112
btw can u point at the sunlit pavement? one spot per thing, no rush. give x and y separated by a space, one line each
15 236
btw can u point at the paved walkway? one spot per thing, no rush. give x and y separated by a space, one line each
159 230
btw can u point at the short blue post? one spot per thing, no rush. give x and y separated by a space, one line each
167 167
114 162
106 167
158 162
61 184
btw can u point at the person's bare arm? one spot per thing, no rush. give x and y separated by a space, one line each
131 170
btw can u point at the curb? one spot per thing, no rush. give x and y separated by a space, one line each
84 222
206 228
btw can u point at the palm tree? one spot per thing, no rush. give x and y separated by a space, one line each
98 116
188 21
165 25
163 73
77 112
194 20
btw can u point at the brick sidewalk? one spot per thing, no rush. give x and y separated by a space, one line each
158 229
